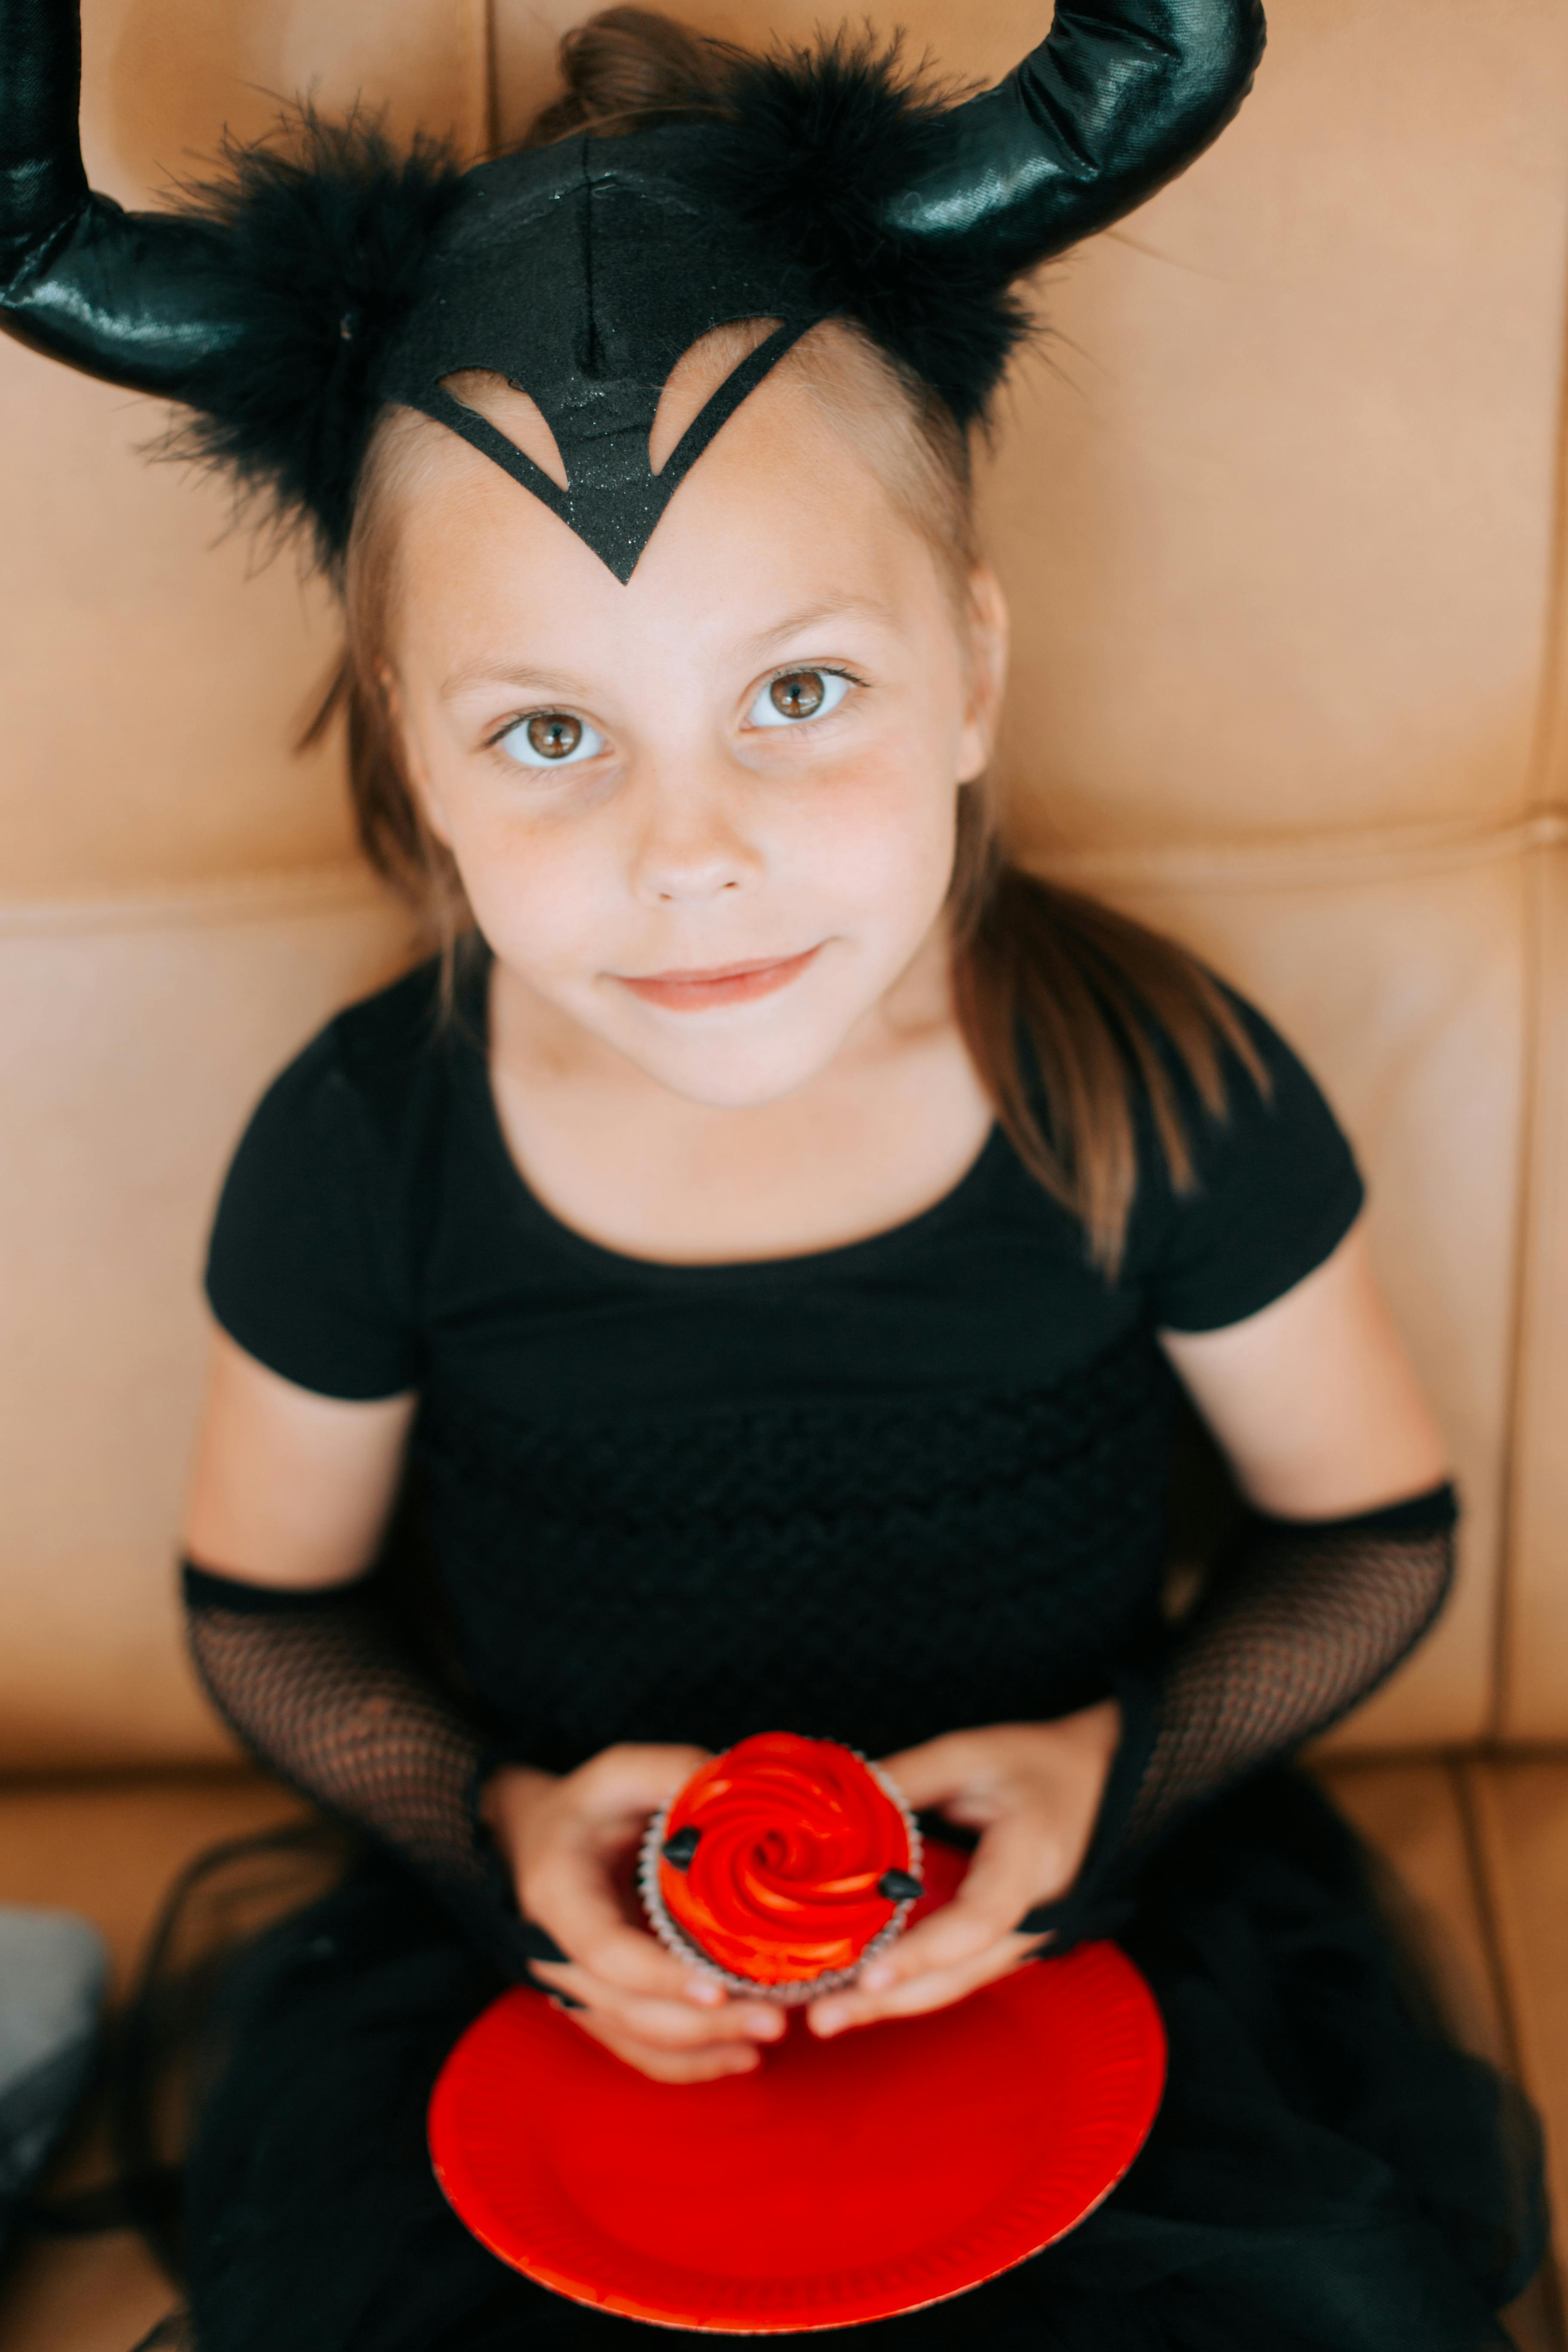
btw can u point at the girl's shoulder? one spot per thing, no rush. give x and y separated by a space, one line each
313 1265
374 1082
388 1058
1262 1189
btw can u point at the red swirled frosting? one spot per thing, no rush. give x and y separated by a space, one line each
792 1839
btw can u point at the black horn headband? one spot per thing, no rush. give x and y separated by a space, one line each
289 302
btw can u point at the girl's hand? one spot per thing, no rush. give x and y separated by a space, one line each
1033 1791
571 1846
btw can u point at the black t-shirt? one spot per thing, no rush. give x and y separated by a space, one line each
882 1489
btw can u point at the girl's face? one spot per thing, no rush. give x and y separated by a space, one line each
707 818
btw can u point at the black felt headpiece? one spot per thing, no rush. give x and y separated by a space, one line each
287 304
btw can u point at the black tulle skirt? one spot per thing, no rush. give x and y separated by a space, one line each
1330 2172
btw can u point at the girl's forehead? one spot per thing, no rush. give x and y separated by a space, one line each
784 517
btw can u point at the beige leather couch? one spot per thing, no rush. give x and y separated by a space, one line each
1278 500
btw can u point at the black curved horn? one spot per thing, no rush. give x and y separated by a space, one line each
131 297
1119 97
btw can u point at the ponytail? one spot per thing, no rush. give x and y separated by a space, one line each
1100 1006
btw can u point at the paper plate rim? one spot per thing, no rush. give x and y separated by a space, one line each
663 2294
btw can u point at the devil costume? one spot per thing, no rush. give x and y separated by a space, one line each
879 1491
875 1492
312 287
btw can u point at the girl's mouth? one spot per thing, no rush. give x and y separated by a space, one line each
729 983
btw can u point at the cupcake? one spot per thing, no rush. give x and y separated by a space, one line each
782 1866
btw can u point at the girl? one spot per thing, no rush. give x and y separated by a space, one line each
761 1249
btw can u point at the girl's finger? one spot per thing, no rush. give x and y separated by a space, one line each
672 2024
571 1895
934 1772
913 1996
635 1781
1011 1871
705 2065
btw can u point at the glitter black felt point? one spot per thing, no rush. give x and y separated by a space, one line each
678 1850
899 1885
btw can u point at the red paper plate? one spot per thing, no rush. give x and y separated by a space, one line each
843 2182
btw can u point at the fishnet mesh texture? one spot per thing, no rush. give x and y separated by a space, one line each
1307 1623
878 1571
323 1695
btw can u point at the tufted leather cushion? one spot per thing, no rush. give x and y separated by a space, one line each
1275 505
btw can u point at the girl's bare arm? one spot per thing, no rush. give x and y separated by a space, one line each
289 1488
1314 1400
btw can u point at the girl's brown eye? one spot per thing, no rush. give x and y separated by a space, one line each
554 734
799 694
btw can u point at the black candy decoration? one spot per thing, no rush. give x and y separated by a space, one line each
678 1850
899 1885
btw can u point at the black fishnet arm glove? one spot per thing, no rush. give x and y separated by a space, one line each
321 1690
1308 1618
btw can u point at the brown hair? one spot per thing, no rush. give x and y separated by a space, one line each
1106 1011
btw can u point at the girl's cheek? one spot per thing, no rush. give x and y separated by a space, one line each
884 828
530 884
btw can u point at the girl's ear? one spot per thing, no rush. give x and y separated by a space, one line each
410 757
989 630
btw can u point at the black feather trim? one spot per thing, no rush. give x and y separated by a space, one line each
323 229
321 234
818 141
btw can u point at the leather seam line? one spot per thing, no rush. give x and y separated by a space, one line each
1307 861
260 896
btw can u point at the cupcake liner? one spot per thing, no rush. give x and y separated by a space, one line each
795 1990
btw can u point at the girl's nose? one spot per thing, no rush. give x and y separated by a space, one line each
688 846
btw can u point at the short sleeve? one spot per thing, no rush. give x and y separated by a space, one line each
1276 1191
301 1269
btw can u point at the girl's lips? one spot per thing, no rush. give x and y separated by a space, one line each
734 984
